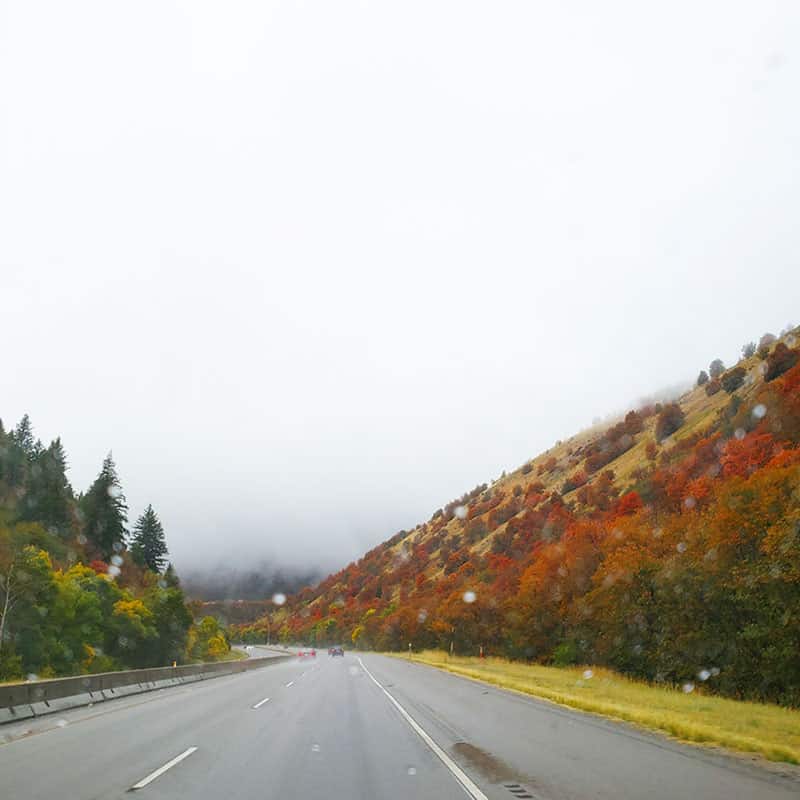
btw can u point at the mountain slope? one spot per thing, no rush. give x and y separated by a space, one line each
665 545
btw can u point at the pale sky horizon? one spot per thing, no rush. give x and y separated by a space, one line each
312 271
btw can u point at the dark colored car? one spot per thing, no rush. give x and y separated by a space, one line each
337 651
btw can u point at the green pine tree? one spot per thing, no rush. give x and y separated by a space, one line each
148 545
105 511
23 436
171 577
49 498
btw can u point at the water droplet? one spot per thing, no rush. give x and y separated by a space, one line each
688 687
714 671
704 674
469 597
32 676
315 748
422 616
412 770
62 723
760 411
116 561
587 674
461 512
279 598
114 571
690 502
681 547
82 539
114 491
353 670
739 433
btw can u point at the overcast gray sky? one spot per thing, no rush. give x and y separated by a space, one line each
313 269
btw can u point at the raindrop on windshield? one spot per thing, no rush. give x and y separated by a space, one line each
587 674
412 770
739 433
422 616
116 561
279 598
704 674
760 411
113 571
688 687
461 512
469 597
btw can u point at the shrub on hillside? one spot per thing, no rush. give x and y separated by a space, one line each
780 360
574 481
733 379
716 368
748 350
669 420
712 387
764 344
702 378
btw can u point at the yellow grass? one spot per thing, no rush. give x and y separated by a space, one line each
768 730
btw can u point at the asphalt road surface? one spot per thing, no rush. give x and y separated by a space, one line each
370 727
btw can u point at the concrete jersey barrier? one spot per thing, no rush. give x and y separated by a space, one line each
35 698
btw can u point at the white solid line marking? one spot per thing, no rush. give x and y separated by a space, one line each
161 770
469 787
261 703
291 683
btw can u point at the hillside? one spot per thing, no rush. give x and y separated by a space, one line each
665 545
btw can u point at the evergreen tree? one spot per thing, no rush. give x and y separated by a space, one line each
148 545
171 577
23 436
13 461
105 511
48 498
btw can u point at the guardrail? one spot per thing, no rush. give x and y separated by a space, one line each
34 698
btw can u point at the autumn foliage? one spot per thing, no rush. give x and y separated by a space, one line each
680 565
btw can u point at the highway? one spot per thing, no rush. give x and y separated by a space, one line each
358 727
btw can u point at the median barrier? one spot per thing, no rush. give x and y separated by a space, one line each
35 698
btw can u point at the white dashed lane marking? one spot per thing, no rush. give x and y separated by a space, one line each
161 770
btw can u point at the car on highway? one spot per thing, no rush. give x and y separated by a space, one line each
336 651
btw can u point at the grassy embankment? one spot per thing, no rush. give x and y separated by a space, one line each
767 730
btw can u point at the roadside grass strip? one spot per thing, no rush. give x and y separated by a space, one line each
768 730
